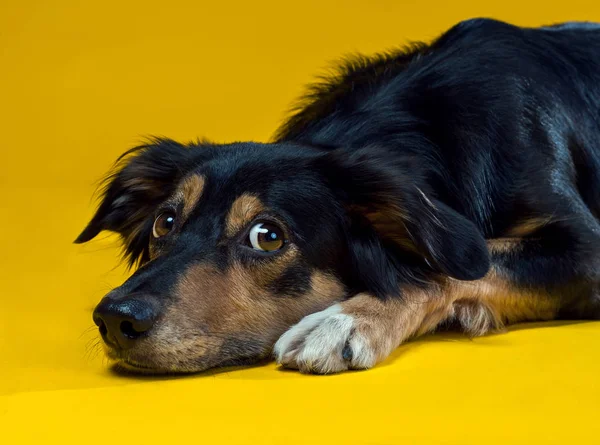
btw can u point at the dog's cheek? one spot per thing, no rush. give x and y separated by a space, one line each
219 318
264 301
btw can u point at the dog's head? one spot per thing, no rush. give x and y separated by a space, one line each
237 242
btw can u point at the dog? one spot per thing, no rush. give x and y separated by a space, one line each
446 185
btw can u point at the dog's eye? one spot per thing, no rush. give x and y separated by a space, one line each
267 237
163 224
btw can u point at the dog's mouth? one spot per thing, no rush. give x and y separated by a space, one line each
131 366
126 365
134 366
138 362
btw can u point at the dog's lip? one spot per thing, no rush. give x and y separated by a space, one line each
132 364
125 362
137 368
121 360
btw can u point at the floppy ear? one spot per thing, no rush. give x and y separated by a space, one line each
144 177
394 199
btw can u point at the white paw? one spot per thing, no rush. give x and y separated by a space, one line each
325 342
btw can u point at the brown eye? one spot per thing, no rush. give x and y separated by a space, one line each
163 224
267 237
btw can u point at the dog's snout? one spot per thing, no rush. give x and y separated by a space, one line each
121 322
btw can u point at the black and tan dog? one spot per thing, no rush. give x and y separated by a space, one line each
451 184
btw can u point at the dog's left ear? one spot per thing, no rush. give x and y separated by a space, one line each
391 196
145 176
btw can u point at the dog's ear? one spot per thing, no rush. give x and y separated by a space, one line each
394 200
144 177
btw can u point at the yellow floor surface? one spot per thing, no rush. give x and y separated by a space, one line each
80 82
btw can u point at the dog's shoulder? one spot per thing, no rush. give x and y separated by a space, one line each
358 76
350 79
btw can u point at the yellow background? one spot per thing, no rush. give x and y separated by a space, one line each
80 82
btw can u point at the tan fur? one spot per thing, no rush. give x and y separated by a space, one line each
387 323
509 303
262 274
357 333
243 210
475 317
214 307
528 227
234 301
188 193
388 223
480 307
504 245
142 184
190 190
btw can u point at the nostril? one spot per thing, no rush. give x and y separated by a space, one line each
98 321
129 331
102 328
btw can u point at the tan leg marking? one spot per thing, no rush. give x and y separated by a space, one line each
357 333
363 331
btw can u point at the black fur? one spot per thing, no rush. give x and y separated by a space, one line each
399 167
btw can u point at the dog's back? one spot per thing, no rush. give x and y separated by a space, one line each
485 108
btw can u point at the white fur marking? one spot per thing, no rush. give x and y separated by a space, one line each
297 332
363 355
322 351
317 342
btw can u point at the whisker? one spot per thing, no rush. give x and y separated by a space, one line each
87 331
93 348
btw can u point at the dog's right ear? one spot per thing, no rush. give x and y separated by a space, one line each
144 177
389 193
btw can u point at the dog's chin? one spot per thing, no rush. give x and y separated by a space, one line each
126 366
129 367
138 364
123 364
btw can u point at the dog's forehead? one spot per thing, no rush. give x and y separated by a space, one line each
246 173
246 165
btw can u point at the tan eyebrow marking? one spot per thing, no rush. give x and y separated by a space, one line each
242 211
190 190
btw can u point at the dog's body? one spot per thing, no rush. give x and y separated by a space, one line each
457 183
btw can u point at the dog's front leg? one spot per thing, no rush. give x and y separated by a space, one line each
358 333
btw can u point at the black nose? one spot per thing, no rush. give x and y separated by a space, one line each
122 321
